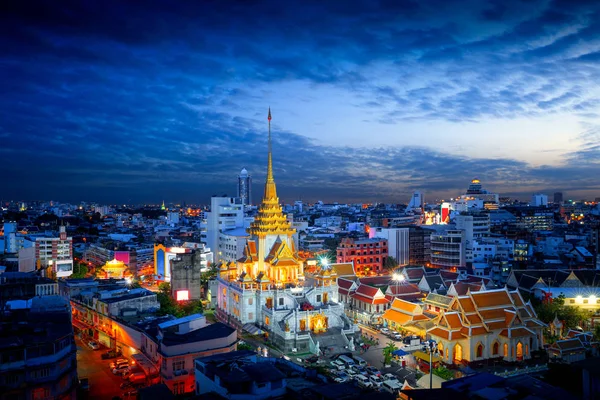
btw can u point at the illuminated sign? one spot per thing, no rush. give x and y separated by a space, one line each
183 295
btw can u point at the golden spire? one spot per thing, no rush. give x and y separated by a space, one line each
270 189
270 218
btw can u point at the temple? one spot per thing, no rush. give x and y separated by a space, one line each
266 290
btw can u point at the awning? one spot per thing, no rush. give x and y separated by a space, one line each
421 355
400 353
145 364
252 329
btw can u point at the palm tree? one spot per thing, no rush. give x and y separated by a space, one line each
388 352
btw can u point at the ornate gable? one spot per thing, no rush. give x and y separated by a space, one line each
571 281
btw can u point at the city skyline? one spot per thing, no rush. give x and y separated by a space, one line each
370 101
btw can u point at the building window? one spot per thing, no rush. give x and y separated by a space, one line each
318 298
179 365
495 349
250 301
179 388
505 349
250 316
479 350
281 301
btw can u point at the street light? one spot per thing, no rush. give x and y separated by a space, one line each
430 347
398 278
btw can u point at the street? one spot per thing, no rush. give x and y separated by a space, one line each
103 383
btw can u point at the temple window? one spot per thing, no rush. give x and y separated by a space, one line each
250 301
505 349
479 350
495 349
281 301
318 298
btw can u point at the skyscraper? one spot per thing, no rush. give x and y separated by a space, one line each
245 187
558 197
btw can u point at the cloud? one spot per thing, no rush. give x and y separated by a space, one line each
117 101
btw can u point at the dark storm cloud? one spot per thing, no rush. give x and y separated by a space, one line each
125 100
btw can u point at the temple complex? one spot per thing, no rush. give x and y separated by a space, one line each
489 324
266 289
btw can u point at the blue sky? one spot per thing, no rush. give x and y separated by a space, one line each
116 102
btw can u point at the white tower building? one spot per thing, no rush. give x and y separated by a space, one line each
245 187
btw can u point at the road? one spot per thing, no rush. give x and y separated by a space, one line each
103 383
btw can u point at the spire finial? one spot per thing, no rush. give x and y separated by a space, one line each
270 191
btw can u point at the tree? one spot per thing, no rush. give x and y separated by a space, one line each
572 316
165 288
390 263
80 270
597 333
388 353
168 305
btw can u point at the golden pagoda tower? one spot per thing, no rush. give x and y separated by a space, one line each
270 255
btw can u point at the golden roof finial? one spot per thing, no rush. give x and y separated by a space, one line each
270 189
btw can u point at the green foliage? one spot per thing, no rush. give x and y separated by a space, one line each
208 275
390 263
165 288
168 305
443 373
387 352
597 333
572 316
245 346
80 270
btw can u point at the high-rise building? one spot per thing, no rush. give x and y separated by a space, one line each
368 255
398 240
226 213
245 187
448 249
51 254
416 202
539 200
10 237
558 197
475 225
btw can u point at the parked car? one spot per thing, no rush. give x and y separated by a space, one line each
338 365
110 354
360 370
351 372
341 377
384 330
392 387
121 369
120 361
373 371
93 345
397 336
376 381
363 381
389 377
